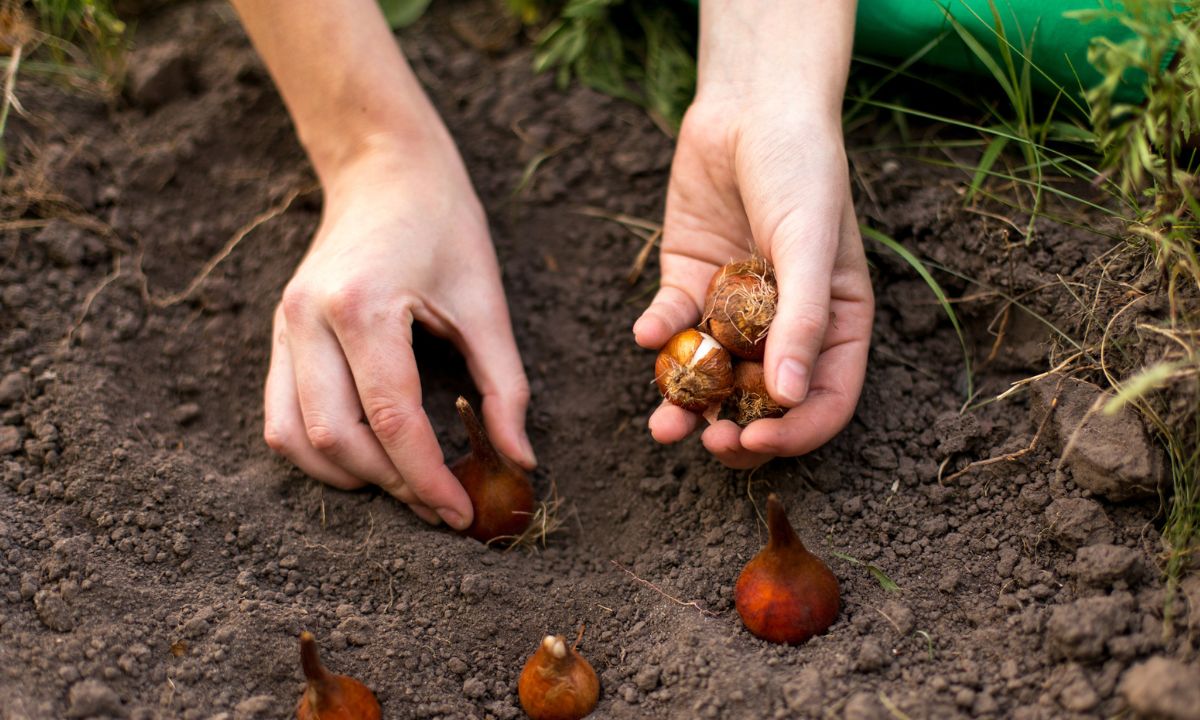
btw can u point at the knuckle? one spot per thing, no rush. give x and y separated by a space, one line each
296 301
345 304
277 437
390 421
324 438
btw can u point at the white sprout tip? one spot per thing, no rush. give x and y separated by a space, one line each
555 646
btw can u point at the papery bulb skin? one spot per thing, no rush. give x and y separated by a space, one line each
740 305
557 683
786 594
500 491
750 400
693 371
329 696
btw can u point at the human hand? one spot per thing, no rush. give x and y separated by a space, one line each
770 176
402 238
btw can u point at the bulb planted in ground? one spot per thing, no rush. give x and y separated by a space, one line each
557 683
740 305
329 696
500 492
785 594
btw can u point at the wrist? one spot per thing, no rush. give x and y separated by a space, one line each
767 53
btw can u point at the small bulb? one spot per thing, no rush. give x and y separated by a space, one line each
740 305
750 400
329 696
500 492
557 683
693 371
785 594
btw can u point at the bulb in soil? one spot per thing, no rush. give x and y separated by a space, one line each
785 594
329 696
500 492
693 371
557 683
740 305
750 400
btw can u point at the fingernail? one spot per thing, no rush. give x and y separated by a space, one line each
452 518
527 447
791 381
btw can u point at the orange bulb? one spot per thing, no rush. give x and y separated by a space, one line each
785 594
557 683
740 305
329 696
500 492
693 371
750 400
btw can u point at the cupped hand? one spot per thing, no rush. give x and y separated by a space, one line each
403 238
772 177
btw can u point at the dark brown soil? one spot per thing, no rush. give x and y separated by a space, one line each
156 561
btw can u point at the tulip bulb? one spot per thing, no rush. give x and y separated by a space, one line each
500 492
750 400
693 371
785 594
740 305
329 696
557 683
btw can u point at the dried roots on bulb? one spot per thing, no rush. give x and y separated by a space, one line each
557 683
329 696
750 400
693 371
740 305
500 491
785 594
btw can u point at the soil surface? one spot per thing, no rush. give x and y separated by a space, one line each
157 561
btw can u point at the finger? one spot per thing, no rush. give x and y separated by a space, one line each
824 412
723 440
488 345
283 427
380 355
331 410
671 423
671 311
803 258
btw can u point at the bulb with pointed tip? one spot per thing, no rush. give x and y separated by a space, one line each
500 492
329 696
557 683
740 305
785 594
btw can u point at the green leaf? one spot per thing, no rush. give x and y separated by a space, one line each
994 148
402 13
940 294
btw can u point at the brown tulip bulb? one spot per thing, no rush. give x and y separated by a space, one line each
693 371
750 400
557 683
785 594
329 696
740 305
500 492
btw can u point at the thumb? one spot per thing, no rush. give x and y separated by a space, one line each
671 311
803 256
495 365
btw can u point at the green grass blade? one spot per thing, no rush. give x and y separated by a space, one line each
986 161
940 294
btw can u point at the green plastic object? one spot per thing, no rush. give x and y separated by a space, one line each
1056 45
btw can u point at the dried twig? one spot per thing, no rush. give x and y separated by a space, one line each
1037 436
215 260
660 591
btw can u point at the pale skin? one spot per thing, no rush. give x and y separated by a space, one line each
403 238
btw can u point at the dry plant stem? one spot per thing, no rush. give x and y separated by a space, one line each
660 591
643 256
91 298
230 245
629 221
9 101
